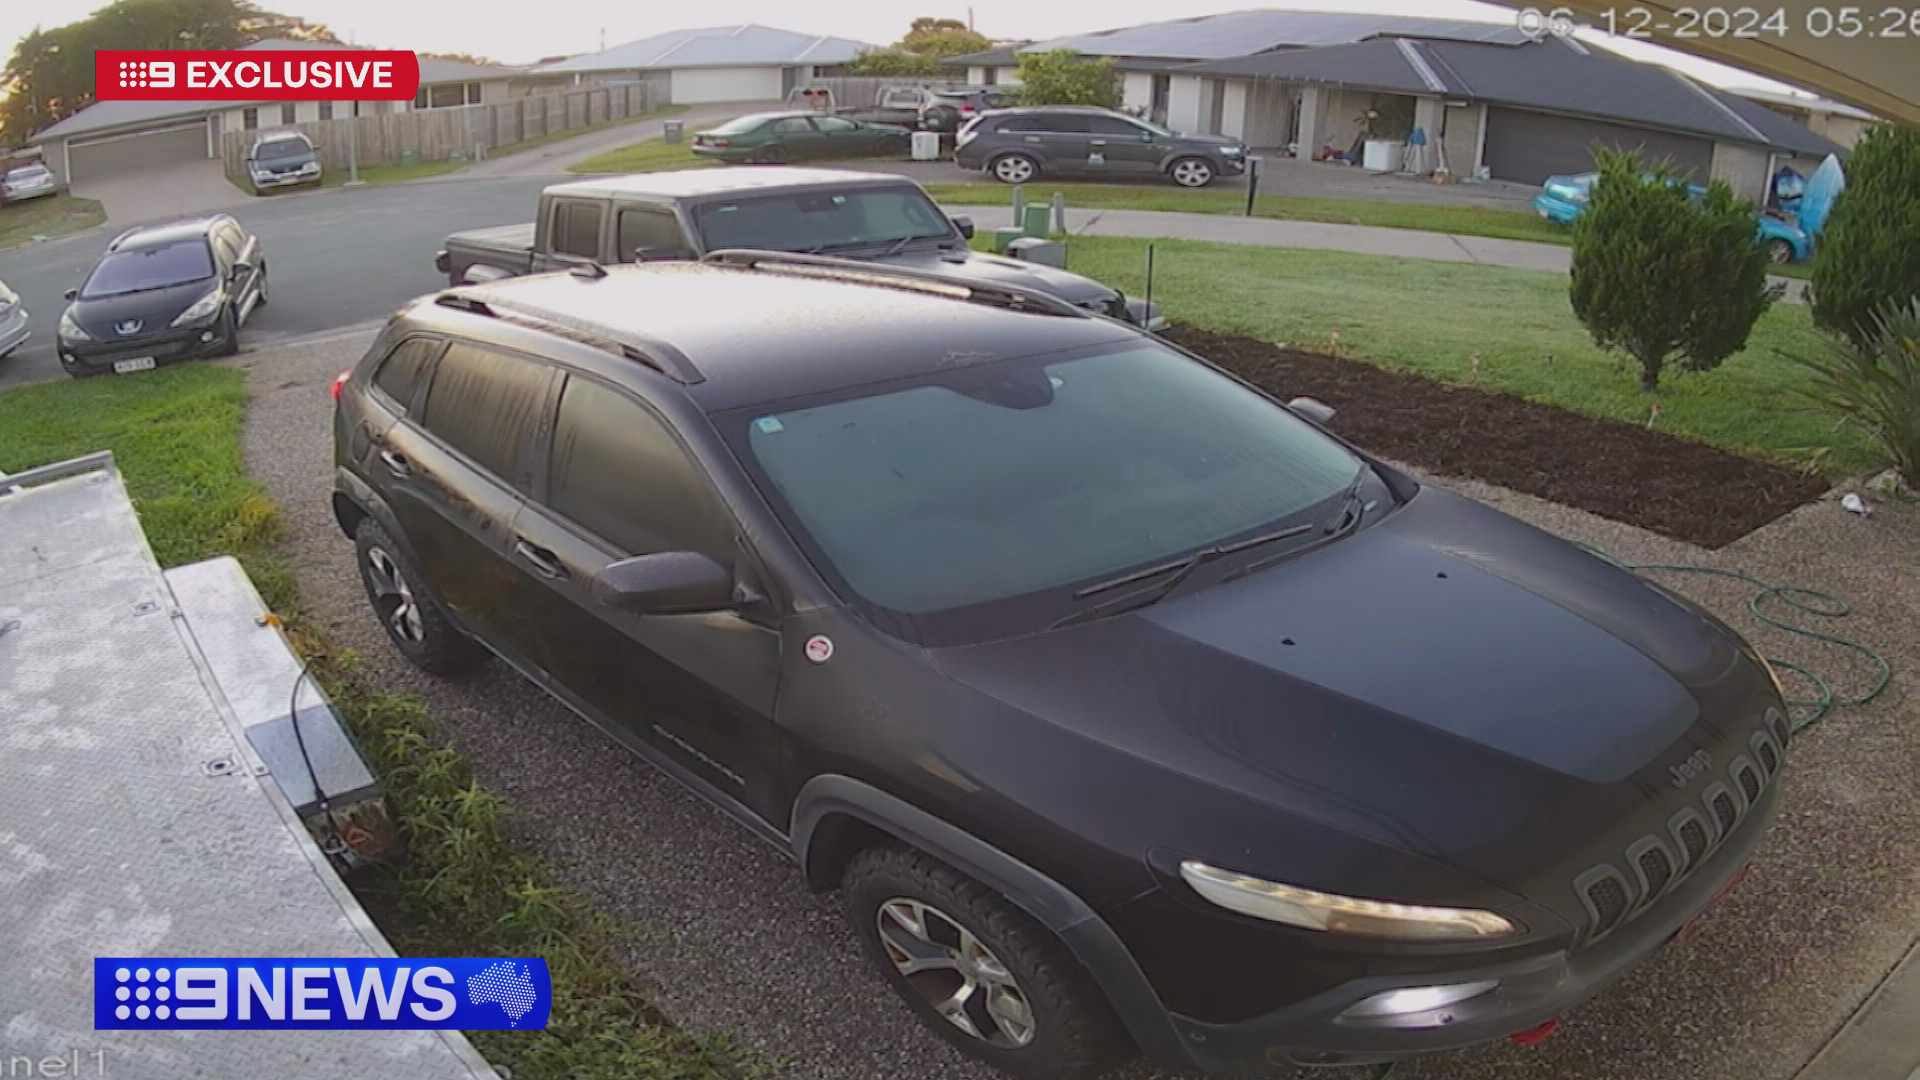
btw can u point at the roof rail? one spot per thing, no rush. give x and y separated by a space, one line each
979 292
493 303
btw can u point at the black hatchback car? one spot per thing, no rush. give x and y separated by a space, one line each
161 294
1129 709
1016 145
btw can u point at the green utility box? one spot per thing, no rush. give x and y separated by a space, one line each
409 157
1034 220
1005 235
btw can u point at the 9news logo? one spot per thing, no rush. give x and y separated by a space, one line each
296 994
146 74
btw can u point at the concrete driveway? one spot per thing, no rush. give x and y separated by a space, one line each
193 187
732 943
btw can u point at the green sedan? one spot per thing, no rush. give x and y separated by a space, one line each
790 136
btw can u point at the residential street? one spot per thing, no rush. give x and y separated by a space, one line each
343 256
735 945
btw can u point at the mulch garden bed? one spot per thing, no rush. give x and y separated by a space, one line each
1669 485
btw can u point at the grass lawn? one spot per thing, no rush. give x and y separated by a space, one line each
652 155
544 140
1434 317
49 216
466 889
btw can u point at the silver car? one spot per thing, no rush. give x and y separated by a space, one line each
13 320
30 181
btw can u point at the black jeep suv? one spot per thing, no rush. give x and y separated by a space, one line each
1129 709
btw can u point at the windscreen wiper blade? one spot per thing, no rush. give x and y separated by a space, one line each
1176 572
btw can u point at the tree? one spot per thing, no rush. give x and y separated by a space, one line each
894 62
1868 258
461 58
942 38
1661 274
1064 77
1875 383
50 74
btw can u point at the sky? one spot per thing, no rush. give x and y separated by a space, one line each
552 27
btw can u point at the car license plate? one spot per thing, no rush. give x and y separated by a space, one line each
137 363
1726 890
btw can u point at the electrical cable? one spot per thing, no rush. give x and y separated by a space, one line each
313 775
1786 601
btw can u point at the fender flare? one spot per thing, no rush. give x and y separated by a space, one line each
1086 935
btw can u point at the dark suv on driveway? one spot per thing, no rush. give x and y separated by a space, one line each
1129 709
1016 145
161 294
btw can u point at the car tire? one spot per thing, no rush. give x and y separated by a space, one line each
894 146
1192 172
260 301
1013 168
1028 1007
1779 251
775 154
412 619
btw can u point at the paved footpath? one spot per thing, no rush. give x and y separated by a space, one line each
1269 232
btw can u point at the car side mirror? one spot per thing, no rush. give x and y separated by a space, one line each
71 294
660 254
667 583
965 225
1312 410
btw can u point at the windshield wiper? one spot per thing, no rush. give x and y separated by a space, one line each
1347 515
1176 572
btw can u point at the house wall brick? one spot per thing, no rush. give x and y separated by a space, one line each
1745 168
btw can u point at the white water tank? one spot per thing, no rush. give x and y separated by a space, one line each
926 146
1381 155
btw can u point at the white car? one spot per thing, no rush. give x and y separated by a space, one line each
30 181
13 320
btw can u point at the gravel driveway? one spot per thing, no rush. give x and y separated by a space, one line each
736 945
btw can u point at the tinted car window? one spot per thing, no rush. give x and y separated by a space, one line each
648 229
482 403
1113 125
149 268
792 125
617 472
739 125
1006 479
1019 124
1062 123
576 228
399 374
283 150
832 124
822 221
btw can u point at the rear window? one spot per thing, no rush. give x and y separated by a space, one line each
142 269
740 125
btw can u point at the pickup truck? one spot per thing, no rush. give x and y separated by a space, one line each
684 214
933 108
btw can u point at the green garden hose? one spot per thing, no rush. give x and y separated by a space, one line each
1773 604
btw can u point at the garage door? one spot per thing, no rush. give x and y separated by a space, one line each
1527 147
118 155
691 86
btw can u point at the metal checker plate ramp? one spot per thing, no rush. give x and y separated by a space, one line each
114 837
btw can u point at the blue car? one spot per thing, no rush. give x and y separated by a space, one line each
1564 198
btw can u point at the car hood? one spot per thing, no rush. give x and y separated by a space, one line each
1449 682
1211 140
1823 187
503 237
998 269
154 310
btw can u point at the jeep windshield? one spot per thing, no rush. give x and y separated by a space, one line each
825 221
146 269
981 502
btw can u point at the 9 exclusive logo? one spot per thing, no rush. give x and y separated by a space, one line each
296 994
255 75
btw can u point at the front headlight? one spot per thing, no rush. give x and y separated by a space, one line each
202 307
1338 914
310 167
71 330
1233 151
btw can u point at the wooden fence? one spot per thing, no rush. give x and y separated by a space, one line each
466 131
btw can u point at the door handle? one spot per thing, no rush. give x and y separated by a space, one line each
544 562
396 464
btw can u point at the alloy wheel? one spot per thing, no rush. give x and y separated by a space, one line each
1192 173
1013 170
393 598
1779 252
955 973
